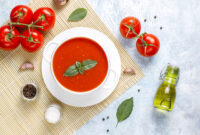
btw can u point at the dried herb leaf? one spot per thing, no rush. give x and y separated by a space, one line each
88 64
71 71
124 110
78 14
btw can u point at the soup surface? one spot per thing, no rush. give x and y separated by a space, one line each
80 49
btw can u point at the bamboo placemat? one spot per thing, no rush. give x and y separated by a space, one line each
18 117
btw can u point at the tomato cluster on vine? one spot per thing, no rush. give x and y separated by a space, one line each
26 27
147 44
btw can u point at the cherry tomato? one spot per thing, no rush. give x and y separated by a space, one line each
44 17
21 14
9 39
147 45
34 42
130 27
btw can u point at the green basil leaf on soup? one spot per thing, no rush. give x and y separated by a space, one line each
78 64
79 67
81 71
71 71
88 64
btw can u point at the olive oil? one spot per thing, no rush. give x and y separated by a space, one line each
166 94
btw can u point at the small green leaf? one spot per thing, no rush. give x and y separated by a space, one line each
78 64
81 71
79 67
71 71
124 110
88 64
78 14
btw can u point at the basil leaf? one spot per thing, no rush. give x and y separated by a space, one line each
79 67
81 71
78 64
71 71
78 14
88 64
124 110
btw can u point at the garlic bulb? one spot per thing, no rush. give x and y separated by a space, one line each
61 2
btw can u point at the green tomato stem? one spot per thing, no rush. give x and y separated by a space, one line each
27 25
30 38
131 28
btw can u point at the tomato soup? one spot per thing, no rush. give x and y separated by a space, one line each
80 49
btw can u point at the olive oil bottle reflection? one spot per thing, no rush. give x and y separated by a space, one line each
166 94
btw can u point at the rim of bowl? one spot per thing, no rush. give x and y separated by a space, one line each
69 90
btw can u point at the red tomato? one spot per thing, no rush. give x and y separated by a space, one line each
21 14
147 45
44 17
130 27
32 43
9 41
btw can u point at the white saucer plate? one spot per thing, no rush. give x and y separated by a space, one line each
89 98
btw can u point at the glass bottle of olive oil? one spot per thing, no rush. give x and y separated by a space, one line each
166 93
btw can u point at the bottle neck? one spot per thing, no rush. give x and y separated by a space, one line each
171 75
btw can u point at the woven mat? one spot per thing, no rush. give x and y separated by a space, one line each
18 117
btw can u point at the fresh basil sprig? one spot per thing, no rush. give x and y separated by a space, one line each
124 110
78 14
80 67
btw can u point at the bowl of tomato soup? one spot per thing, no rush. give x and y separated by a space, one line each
72 49
79 49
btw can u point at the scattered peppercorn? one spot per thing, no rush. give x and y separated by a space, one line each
29 91
161 28
138 90
103 119
155 17
107 117
107 130
145 20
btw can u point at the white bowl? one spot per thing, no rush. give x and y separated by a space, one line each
82 99
57 45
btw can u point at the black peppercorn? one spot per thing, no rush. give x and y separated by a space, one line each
29 91
107 130
103 119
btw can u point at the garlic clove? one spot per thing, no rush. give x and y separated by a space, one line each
27 65
61 2
130 71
